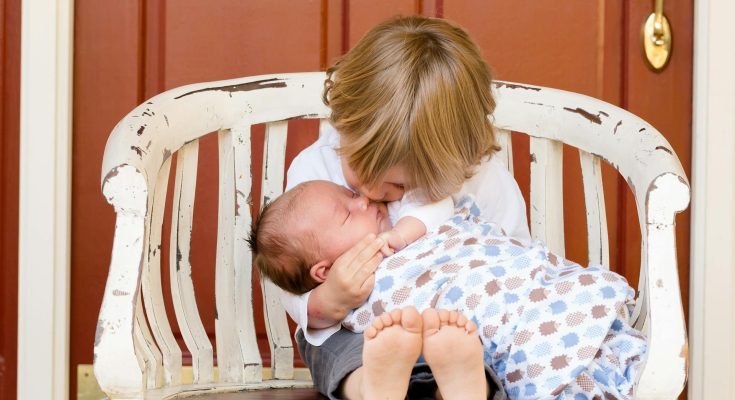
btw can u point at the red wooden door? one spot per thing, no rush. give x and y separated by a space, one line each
126 52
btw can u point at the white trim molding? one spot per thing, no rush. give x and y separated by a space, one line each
45 193
712 300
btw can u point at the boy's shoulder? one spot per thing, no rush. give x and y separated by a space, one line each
490 169
319 161
325 146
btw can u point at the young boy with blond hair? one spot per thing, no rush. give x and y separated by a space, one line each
410 107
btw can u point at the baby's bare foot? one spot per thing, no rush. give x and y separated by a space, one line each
392 346
454 353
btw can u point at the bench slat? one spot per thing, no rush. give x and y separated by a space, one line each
146 349
182 287
252 362
503 138
547 211
229 358
152 291
594 199
279 337
639 317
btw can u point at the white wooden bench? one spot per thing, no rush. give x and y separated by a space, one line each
135 353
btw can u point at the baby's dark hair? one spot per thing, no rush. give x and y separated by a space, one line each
280 253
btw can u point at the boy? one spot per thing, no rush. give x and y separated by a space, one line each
549 327
410 121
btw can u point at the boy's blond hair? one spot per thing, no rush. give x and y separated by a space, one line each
414 91
282 255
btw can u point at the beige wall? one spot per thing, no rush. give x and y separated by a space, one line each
712 300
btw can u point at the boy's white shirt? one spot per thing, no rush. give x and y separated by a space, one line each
495 191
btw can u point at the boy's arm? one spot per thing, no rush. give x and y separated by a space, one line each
348 285
324 312
416 219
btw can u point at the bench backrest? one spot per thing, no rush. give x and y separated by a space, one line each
135 349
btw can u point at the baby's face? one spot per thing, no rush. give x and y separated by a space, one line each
339 217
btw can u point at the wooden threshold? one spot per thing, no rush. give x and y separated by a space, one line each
89 389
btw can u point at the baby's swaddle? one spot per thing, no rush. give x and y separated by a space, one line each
550 328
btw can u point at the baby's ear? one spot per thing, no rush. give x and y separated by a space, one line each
320 270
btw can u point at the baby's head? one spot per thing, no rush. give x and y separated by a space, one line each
297 237
413 93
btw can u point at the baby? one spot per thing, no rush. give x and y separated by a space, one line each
550 328
300 235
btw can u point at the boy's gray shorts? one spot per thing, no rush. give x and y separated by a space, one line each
341 354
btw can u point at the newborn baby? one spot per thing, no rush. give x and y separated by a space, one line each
549 327
298 236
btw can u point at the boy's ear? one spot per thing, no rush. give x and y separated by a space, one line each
320 270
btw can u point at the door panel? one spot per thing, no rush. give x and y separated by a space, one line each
127 52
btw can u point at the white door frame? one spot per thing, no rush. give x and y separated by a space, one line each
712 300
45 193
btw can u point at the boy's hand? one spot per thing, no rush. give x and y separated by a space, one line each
348 285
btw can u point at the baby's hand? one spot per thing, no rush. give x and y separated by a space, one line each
394 242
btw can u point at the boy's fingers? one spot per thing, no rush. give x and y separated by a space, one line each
349 256
347 259
367 269
368 285
373 247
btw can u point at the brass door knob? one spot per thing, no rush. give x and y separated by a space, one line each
657 38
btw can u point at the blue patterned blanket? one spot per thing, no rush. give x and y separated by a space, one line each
551 328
